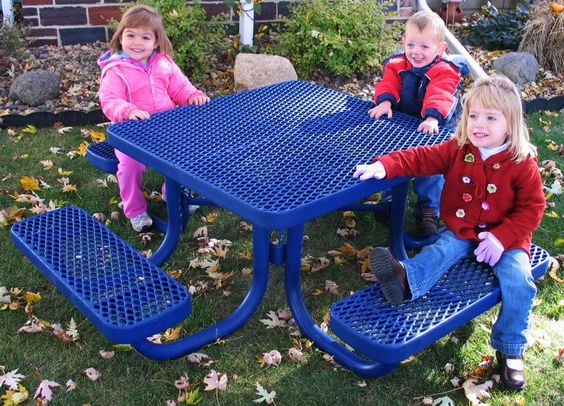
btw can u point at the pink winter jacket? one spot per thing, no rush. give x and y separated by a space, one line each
126 84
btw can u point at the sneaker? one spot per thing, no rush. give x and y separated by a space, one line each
426 222
141 221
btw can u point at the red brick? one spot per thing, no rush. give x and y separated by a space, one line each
63 16
36 2
43 41
42 32
103 15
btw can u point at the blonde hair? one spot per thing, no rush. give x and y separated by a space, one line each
142 16
424 20
498 92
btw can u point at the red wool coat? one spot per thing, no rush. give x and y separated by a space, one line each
496 195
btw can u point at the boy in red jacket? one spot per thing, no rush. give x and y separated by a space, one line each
422 82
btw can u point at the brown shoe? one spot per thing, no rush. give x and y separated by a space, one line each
512 378
426 222
391 275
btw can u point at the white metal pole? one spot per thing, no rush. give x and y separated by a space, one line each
246 21
8 12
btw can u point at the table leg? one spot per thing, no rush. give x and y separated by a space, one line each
175 223
232 322
308 325
396 225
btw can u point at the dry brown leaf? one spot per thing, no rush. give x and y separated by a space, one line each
92 374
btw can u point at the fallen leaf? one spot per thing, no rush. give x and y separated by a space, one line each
199 358
29 183
474 393
45 390
10 379
295 355
272 358
106 354
265 396
443 401
216 381
182 383
92 374
273 320
554 268
30 129
71 385
331 287
171 334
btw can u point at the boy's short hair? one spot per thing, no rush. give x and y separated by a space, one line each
428 20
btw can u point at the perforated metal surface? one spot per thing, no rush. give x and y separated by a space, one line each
368 322
123 294
102 156
272 149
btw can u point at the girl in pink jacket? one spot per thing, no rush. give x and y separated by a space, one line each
139 78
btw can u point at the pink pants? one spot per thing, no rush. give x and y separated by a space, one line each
130 181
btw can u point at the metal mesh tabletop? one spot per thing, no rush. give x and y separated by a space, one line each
276 151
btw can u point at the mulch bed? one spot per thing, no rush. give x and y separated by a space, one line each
78 100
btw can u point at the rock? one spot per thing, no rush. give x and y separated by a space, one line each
520 67
256 70
35 87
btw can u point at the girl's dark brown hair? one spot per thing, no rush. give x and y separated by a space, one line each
142 16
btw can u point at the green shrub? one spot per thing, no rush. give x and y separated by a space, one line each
196 40
12 41
495 30
339 37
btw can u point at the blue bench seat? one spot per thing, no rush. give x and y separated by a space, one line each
389 334
122 293
102 156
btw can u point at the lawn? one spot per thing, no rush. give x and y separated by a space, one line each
52 159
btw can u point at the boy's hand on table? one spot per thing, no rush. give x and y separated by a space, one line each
429 126
383 108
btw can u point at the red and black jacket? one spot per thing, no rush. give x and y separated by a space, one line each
430 91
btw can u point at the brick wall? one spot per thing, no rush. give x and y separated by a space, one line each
66 22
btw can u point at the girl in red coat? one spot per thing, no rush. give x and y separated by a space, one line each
491 203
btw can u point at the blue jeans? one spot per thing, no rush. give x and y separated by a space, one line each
513 272
428 190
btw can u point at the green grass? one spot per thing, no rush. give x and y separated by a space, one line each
131 379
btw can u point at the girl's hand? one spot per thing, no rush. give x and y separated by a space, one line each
375 170
429 126
137 114
489 250
383 108
199 100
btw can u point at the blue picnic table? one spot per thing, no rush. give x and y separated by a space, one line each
278 157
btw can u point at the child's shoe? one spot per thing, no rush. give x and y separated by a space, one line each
426 222
141 221
391 275
511 370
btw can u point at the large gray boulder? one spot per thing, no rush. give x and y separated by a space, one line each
35 87
520 67
256 70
